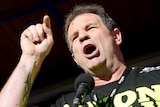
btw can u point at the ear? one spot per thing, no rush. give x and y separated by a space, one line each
117 36
74 59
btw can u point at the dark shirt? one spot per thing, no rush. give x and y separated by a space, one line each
141 88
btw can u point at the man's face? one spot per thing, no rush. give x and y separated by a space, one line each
91 42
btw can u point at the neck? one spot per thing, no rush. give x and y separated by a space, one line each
114 75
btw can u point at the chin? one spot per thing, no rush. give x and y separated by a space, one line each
96 66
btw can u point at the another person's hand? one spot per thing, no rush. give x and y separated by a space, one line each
37 40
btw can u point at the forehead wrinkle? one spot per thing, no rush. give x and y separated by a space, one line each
85 25
86 17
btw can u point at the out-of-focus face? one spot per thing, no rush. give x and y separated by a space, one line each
93 45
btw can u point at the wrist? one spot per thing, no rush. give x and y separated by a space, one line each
30 64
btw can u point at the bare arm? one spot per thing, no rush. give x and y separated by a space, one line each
36 43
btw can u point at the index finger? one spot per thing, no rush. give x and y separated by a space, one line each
46 21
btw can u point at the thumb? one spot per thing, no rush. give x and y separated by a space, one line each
46 21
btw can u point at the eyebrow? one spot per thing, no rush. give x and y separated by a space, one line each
91 23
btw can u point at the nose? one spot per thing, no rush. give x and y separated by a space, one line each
83 36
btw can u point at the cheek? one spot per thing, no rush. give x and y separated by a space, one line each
78 55
78 60
75 49
77 52
76 46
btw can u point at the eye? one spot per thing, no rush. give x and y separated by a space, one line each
74 37
90 27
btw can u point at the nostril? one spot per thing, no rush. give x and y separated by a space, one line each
84 38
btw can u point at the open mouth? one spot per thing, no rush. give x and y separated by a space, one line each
91 51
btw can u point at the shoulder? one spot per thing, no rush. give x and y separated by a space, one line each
146 69
150 69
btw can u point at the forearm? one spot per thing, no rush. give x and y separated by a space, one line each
36 42
17 89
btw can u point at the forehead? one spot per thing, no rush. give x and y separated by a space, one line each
83 20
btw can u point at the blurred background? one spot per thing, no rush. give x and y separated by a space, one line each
139 21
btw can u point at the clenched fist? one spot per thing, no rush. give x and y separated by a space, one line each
37 40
